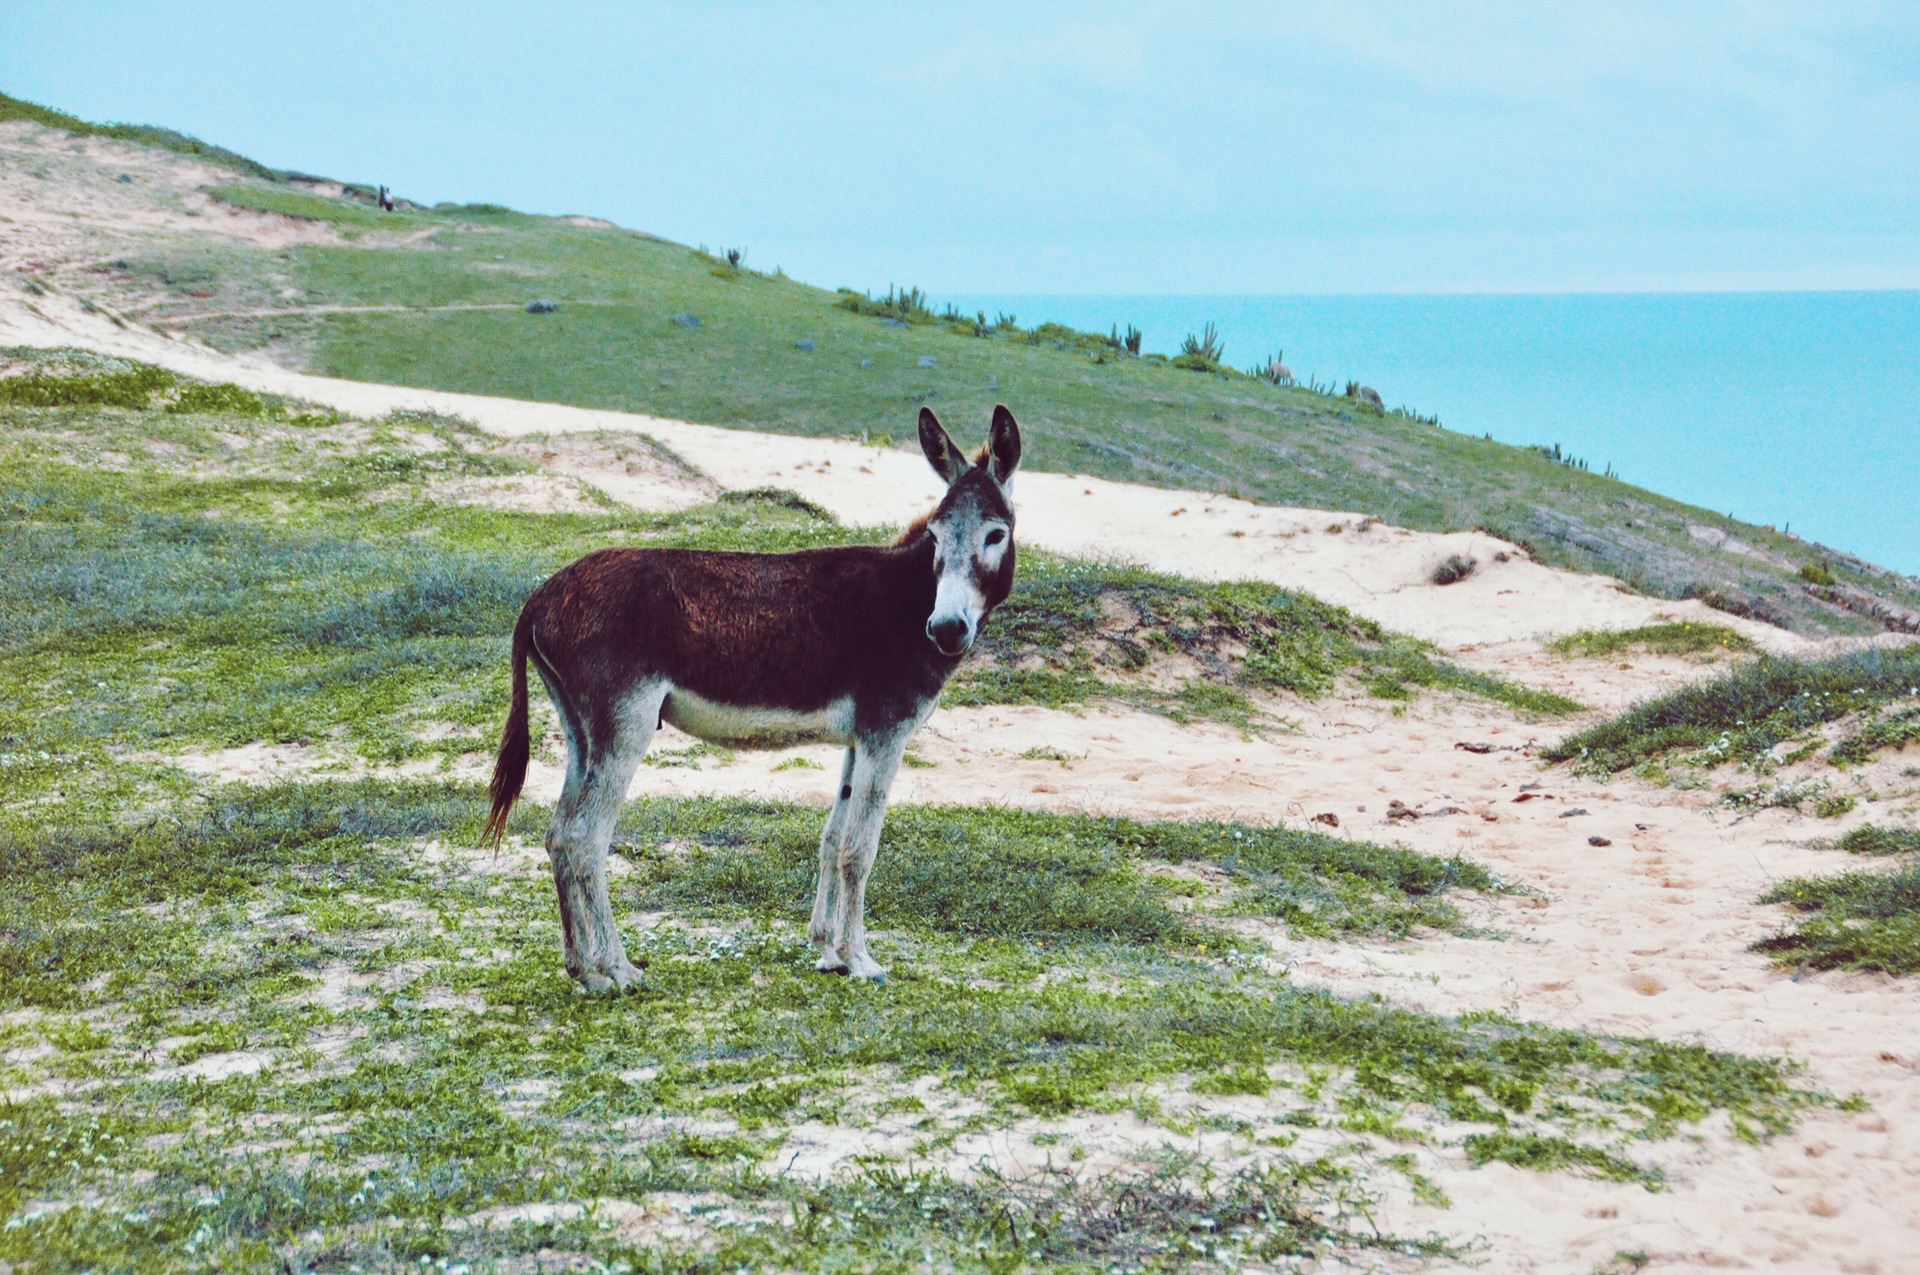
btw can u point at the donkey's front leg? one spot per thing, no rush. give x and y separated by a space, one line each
876 762
826 895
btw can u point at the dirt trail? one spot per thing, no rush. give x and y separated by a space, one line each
1646 935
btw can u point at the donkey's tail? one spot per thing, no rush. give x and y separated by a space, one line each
510 765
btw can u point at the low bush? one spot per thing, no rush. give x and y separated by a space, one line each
1870 839
1743 714
1679 637
1857 921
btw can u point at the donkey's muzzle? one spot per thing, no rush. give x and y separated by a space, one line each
951 635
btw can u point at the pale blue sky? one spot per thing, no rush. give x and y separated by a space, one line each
1109 149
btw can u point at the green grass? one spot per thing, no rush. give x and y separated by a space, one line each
453 1069
1073 631
1089 405
344 214
1677 638
1856 921
1745 714
1054 877
1554 1154
1873 840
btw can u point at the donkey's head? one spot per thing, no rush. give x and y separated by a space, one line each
972 529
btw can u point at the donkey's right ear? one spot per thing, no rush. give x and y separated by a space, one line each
947 459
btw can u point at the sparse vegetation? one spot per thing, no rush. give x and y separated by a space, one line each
1076 632
1679 637
304 1026
1873 840
344 214
1203 353
1745 714
369 1038
12 108
156 927
1856 921
308 594
1553 1154
1453 570
1058 877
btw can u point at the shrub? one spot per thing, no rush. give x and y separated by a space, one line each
224 397
1682 637
902 305
1743 714
1864 921
131 387
1868 839
1201 353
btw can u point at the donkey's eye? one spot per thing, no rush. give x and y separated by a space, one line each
995 536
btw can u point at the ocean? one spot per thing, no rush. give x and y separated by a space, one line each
1798 409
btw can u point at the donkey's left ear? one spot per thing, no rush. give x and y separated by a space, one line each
1003 446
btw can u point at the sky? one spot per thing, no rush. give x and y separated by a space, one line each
1152 149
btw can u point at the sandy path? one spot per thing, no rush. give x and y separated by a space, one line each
1647 935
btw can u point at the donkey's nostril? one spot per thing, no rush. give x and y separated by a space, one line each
950 635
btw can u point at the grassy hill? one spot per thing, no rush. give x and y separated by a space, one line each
306 1027
438 297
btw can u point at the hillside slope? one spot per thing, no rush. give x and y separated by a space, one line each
438 298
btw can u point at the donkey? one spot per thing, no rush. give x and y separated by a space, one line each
848 645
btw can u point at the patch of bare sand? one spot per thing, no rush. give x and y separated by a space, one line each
518 493
630 468
262 763
65 202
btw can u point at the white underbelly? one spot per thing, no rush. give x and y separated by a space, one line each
751 726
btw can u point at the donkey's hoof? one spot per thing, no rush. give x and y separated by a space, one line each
611 981
830 963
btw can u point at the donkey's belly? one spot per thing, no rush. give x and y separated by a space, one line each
751 726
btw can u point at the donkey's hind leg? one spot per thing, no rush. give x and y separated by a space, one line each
601 760
826 895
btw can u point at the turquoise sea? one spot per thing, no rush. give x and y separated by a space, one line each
1798 409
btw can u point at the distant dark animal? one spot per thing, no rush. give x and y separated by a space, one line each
848 645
